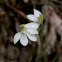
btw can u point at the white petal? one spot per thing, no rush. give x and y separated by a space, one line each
17 36
24 40
32 31
32 37
32 17
36 13
32 25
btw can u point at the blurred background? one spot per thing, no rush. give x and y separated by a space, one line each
48 48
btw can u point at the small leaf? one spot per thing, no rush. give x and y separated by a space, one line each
41 18
15 48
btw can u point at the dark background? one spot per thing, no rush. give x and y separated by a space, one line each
13 13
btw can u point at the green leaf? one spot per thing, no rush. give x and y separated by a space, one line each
41 18
15 48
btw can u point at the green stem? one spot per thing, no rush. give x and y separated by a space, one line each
41 39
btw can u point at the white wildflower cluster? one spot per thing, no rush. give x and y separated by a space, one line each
29 30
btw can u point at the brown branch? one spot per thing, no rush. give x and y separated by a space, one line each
18 11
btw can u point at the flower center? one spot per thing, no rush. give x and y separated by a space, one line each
23 29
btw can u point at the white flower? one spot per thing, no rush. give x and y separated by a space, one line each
28 30
37 17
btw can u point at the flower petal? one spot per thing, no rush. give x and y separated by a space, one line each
24 40
17 36
32 17
32 25
32 37
32 31
36 13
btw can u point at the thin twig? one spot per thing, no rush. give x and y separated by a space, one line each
18 11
